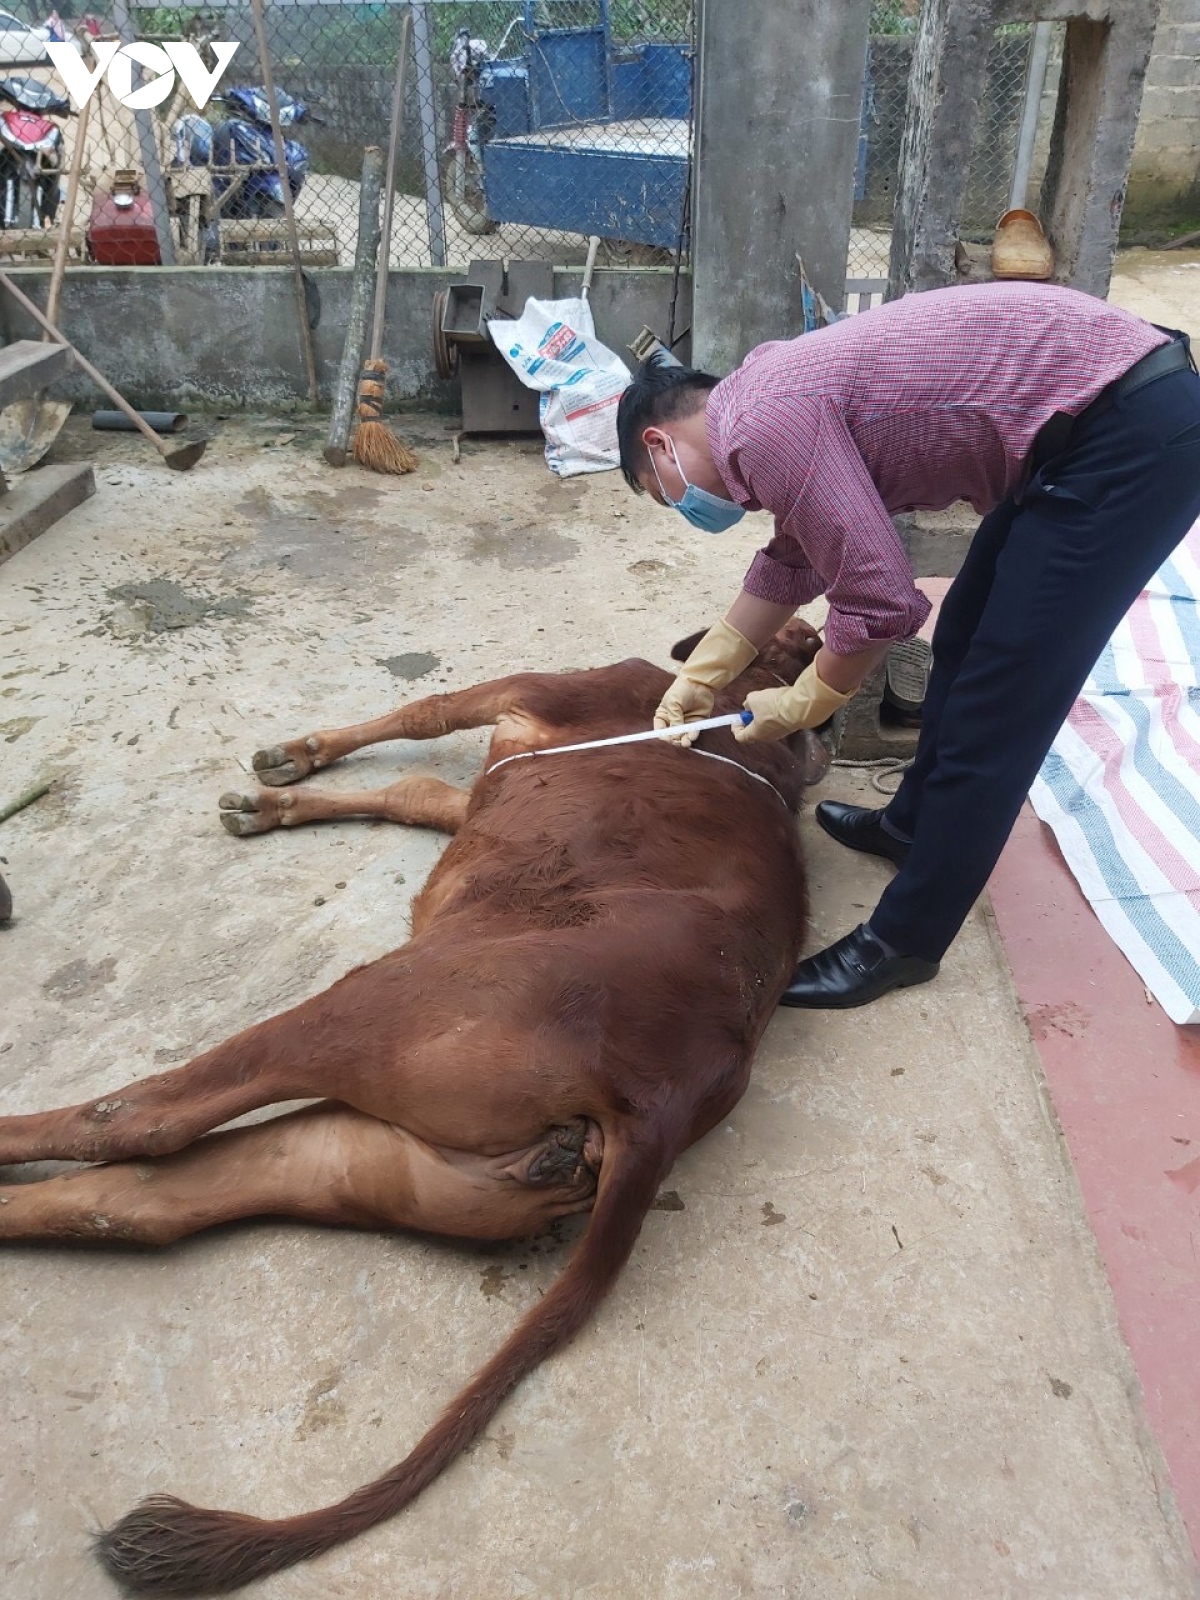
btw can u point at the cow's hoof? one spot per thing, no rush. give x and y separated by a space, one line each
242 815
283 764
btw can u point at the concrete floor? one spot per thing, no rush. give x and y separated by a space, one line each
1125 1085
864 1347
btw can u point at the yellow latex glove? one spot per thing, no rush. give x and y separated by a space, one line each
716 661
778 712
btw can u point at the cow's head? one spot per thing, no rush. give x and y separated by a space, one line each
784 658
787 654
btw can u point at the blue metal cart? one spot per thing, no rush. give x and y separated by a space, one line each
576 131
579 133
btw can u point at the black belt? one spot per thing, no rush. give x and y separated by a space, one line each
1057 434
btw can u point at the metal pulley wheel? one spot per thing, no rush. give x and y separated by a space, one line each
445 354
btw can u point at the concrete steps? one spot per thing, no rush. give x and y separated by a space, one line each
38 498
27 365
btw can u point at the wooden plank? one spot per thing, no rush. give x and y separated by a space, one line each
27 366
38 500
243 256
263 242
863 293
257 229
184 181
38 241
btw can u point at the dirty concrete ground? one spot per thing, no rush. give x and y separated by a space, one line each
864 1346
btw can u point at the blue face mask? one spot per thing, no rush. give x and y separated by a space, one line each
708 512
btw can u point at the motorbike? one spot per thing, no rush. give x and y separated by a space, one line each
243 139
474 123
31 153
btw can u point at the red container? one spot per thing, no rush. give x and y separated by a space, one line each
121 230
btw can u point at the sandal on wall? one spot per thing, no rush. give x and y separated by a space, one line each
1020 248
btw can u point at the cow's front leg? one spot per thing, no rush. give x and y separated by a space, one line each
420 801
428 718
325 1164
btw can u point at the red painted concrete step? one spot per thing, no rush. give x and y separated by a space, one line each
1125 1082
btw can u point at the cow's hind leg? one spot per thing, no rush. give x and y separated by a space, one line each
281 1059
428 718
325 1164
420 801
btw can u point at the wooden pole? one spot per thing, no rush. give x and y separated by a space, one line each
25 799
365 252
289 210
63 247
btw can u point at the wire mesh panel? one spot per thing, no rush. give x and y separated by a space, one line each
527 126
994 145
885 98
997 128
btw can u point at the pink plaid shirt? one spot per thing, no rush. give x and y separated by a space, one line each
932 398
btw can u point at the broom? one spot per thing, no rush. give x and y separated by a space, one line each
376 446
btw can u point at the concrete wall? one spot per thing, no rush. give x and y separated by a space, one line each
1164 181
776 141
945 90
227 338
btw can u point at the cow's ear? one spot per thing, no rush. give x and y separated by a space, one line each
682 650
812 752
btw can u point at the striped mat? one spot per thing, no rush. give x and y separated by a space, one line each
1121 786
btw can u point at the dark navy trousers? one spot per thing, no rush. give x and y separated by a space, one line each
1049 575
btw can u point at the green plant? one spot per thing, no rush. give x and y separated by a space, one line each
894 16
168 22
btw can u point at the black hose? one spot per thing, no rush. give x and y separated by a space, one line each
118 422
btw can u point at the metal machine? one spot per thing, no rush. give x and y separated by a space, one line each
494 400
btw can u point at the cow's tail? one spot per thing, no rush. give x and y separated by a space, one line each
167 1547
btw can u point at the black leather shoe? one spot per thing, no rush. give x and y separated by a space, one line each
853 972
859 828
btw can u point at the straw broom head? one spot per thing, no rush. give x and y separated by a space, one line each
376 446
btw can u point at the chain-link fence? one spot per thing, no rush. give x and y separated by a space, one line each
527 126
994 148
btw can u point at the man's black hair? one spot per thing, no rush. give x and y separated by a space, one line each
660 392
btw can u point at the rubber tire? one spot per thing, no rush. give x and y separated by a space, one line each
471 214
50 196
445 354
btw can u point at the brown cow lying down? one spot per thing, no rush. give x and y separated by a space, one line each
592 963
